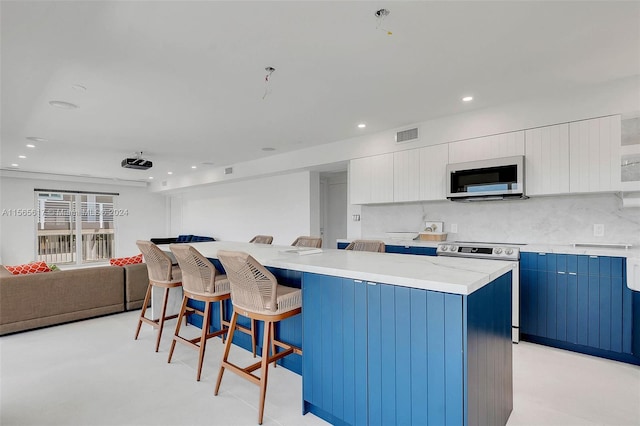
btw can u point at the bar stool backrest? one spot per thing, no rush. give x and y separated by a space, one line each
158 262
366 245
308 242
198 273
253 287
262 239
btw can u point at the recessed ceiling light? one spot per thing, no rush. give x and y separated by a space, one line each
362 126
267 149
169 173
22 156
194 167
37 139
150 177
63 104
14 165
30 145
467 99
207 163
79 88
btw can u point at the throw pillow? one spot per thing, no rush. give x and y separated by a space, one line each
28 268
121 261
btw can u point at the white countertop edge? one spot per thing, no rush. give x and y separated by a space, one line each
449 275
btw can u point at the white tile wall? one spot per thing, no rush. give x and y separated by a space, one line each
552 220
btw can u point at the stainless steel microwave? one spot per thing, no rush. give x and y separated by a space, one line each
495 179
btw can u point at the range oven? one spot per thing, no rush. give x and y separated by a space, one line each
495 251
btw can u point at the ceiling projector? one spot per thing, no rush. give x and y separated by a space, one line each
137 163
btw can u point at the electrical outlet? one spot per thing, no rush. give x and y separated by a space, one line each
598 230
454 228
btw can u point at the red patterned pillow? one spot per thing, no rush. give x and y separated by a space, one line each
121 261
28 268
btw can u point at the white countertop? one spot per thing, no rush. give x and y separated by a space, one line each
444 274
528 248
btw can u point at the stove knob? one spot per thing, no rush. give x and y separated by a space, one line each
498 250
508 252
444 247
454 248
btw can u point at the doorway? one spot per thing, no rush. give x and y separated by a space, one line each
333 207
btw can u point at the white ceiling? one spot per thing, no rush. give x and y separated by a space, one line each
184 81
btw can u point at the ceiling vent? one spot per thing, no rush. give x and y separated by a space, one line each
407 135
228 170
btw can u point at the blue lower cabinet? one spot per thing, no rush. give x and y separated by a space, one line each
417 250
382 354
577 302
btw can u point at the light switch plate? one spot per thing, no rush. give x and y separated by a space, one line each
598 230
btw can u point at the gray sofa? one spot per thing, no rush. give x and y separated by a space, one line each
44 299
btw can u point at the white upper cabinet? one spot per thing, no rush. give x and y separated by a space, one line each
371 179
488 147
433 169
406 175
547 160
594 164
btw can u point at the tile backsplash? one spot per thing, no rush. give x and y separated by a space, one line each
551 220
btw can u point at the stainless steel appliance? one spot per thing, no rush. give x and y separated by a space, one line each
495 251
495 179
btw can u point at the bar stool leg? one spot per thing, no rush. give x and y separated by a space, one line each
183 308
206 319
273 343
264 369
143 311
165 299
222 319
253 337
227 347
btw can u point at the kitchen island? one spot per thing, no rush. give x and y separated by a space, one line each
397 339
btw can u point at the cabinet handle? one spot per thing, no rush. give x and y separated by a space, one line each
371 283
542 254
561 272
573 273
357 281
593 257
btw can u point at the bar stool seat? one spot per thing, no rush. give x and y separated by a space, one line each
256 294
162 274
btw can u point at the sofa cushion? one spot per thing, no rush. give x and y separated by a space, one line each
121 261
28 268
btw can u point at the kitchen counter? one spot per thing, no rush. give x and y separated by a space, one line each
444 274
528 248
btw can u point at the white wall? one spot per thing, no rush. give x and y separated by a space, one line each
146 216
552 220
279 206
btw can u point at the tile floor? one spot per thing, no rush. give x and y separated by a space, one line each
93 373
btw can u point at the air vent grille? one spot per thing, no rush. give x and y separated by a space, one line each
407 135
228 170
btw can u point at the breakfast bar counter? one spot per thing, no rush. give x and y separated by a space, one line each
395 339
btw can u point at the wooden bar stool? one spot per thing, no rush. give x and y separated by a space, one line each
201 282
162 274
366 245
262 239
303 241
256 294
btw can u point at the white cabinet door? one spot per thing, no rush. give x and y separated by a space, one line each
371 179
547 160
382 178
594 146
406 175
433 169
488 147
